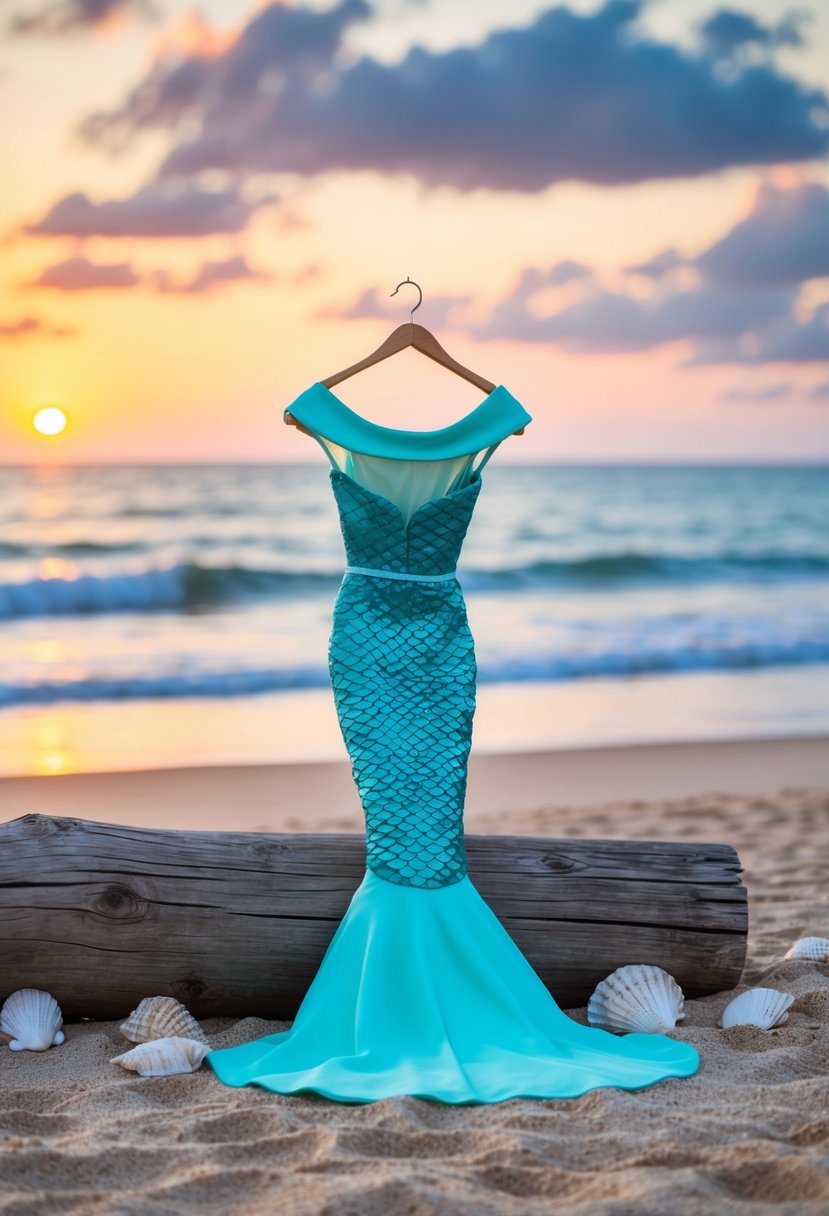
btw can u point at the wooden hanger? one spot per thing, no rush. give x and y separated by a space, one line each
406 335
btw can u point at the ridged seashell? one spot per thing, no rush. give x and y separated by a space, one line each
33 1019
637 998
814 948
763 1007
163 1057
161 1017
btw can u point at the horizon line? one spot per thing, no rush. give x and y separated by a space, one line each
633 462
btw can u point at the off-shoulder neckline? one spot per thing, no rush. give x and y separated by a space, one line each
326 416
391 430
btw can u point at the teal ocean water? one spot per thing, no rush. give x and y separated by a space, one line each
165 583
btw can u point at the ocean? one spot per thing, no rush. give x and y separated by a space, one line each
156 615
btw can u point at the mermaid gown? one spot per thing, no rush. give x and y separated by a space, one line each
421 990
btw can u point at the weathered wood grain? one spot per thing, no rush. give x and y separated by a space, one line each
236 923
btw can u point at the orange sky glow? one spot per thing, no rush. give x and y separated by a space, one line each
178 266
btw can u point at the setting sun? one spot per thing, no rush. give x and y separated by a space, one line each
49 421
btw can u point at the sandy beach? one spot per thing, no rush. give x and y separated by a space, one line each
749 1132
322 796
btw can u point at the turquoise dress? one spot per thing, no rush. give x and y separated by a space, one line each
421 990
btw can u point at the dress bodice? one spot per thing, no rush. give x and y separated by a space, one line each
377 536
407 469
401 652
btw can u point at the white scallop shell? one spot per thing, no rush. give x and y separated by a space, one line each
814 948
33 1020
163 1057
637 998
161 1017
763 1007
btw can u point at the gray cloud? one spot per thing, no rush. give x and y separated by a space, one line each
726 326
772 392
820 392
742 310
159 209
787 341
612 321
784 240
72 16
566 97
283 59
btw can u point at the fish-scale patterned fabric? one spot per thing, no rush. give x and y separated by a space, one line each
402 662
421 990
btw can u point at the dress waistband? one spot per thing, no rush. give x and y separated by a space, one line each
420 578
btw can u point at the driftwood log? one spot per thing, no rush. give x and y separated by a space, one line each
236 923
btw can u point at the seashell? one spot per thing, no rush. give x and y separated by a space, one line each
639 997
32 1019
763 1007
814 948
163 1057
161 1017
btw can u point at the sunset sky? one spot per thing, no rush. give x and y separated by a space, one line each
618 211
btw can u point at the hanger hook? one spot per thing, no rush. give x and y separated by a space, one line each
419 292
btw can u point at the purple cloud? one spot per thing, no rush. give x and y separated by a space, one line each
660 265
569 96
771 392
208 276
34 325
612 321
788 340
159 209
784 240
283 56
79 274
742 310
567 270
725 325
71 16
374 304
